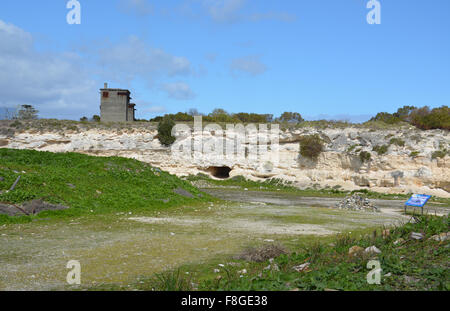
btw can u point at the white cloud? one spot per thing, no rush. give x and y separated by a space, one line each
230 11
248 64
224 11
133 58
55 83
178 91
139 8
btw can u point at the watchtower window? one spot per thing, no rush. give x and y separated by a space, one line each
105 94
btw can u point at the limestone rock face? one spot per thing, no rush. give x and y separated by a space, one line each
404 168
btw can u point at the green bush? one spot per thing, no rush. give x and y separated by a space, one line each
423 118
311 146
380 149
439 154
351 148
386 118
364 156
397 141
414 154
426 119
165 131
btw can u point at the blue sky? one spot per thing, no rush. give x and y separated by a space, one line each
317 57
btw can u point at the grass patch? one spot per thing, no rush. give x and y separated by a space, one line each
380 149
87 184
409 265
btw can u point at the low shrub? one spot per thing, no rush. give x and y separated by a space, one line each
262 253
439 154
364 156
414 154
381 149
165 131
397 141
311 146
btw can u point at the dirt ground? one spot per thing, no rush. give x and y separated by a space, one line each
121 247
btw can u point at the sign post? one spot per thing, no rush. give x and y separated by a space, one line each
417 200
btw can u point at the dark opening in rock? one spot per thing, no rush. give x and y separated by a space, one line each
222 172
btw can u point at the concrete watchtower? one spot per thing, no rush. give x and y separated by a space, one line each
115 105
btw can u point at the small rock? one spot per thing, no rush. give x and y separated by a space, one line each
410 279
216 270
388 274
441 237
302 268
372 250
243 271
71 186
184 193
399 241
417 236
355 250
385 233
1 178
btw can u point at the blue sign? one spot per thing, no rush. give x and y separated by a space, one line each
418 200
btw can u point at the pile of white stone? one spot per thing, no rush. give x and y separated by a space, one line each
357 202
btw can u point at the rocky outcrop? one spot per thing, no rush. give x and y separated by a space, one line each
407 166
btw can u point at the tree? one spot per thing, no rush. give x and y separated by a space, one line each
96 118
165 131
404 113
84 119
194 112
27 112
291 117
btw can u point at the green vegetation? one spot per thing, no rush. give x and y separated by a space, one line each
381 149
89 185
397 141
311 146
27 112
273 184
439 154
165 131
364 156
423 118
351 148
218 115
406 264
414 154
